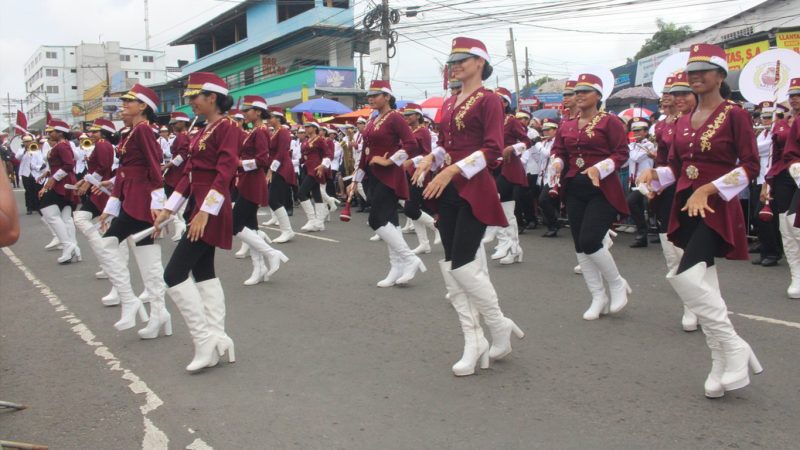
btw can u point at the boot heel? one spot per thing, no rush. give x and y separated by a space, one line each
422 267
485 360
517 331
628 288
168 326
755 366
231 354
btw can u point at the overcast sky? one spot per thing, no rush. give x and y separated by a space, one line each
25 25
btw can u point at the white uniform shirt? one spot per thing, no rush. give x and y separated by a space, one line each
358 147
80 158
546 173
639 158
31 164
296 153
337 155
167 152
764 142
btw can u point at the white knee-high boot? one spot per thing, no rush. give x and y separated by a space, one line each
112 298
311 216
617 286
66 216
149 259
672 256
187 298
120 277
478 287
791 248
214 304
410 263
514 254
273 257
505 236
421 226
321 212
594 281
179 224
476 347
83 223
54 242
54 218
287 234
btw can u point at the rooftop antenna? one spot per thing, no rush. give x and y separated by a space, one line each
146 26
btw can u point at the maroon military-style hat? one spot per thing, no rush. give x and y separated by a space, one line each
103 124
380 87
569 87
178 116
504 93
589 82
707 57
412 108
205 81
680 83
794 86
254 101
143 94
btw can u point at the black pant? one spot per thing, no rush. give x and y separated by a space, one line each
664 208
637 204
551 207
702 243
52 197
278 192
589 212
413 206
768 232
330 186
168 190
195 257
32 189
309 187
87 205
125 225
782 191
384 204
528 197
245 214
504 188
461 232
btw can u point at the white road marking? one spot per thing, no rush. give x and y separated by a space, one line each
153 438
320 238
769 320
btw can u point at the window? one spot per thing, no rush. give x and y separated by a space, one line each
52 89
73 70
74 88
248 76
147 75
51 72
124 57
337 4
147 58
50 55
290 8
54 106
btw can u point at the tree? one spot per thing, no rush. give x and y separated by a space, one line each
668 34
538 82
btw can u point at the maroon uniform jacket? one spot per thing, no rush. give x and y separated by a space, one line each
602 138
179 148
61 157
665 133
100 162
475 124
280 149
313 151
139 171
384 136
701 156
781 132
253 184
422 137
514 132
213 158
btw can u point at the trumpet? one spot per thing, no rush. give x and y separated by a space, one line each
87 144
33 147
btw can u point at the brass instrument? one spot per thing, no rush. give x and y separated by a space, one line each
87 144
33 147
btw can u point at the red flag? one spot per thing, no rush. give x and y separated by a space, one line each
21 128
49 117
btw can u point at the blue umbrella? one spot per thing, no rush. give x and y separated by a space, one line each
551 114
322 106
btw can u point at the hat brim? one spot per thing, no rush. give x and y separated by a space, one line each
678 89
456 57
192 92
129 96
371 93
700 66
587 89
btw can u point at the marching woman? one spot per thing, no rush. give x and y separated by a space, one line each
471 139
768 232
782 178
590 148
137 197
252 186
314 152
510 178
386 137
413 208
641 156
213 159
281 175
713 158
172 172
55 200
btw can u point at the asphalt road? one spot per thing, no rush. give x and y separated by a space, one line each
327 360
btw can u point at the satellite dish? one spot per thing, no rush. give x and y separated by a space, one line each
760 81
674 64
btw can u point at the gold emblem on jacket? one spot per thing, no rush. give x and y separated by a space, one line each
692 172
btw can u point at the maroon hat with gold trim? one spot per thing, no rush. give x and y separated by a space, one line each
668 84
178 116
464 48
504 93
57 125
707 57
588 82
236 113
549 124
103 124
569 88
680 83
380 87
205 81
143 94
276 111
412 108
794 86
254 101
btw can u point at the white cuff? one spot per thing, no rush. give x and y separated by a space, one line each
213 202
399 157
275 166
472 164
605 167
359 176
59 175
794 171
416 160
326 162
730 184
438 156
249 165
95 176
175 202
157 199
113 205
177 161
558 161
665 179
519 147
112 180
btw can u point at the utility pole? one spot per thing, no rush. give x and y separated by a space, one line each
146 26
527 69
513 54
386 29
8 105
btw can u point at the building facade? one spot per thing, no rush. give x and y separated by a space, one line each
57 78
